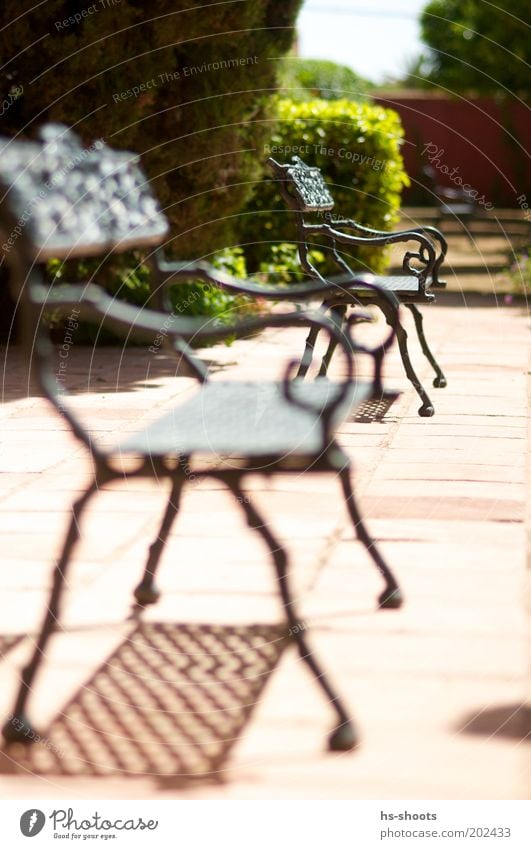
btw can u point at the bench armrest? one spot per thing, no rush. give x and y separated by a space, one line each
307 291
425 254
174 272
144 323
432 233
94 302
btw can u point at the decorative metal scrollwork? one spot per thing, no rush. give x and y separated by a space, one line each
309 186
422 256
68 198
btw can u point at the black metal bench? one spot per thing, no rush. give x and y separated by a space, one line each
62 200
306 192
453 204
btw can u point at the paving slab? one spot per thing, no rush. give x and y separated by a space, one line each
199 696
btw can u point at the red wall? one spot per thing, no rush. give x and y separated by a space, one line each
488 142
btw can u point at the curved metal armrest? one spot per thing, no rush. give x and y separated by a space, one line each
377 353
430 232
94 302
425 230
425 254
390 301
433 232
322 288
141 322
325 412
174 272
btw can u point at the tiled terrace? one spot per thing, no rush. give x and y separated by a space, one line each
196 698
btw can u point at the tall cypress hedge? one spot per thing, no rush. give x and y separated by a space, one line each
186 83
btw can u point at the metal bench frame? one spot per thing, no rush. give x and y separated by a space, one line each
306 192
453 204
62 200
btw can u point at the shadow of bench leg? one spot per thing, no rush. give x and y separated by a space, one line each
427 409
146 592
343 738
17 728
439 381
391 597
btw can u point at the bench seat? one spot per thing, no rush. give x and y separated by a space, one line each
253 419
404 287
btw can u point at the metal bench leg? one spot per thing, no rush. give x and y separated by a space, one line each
391 597
439 381
343 738
427 409
146 592
337 314
307 356
17 728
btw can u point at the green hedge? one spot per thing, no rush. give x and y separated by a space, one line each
128 277
186 83
306 79
357 146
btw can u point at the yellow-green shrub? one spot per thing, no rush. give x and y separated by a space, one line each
357 147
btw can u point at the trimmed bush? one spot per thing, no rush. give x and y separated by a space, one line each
128 277
357 146
306 79
185 83
518 274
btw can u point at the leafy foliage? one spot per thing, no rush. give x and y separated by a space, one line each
305 79
186 83
129 278
473 45
283 264
518 274
357 146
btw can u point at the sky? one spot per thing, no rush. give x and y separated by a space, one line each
374 37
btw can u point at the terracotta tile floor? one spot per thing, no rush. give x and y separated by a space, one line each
197 697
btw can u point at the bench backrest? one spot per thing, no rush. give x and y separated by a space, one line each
60 199
304 190
303 187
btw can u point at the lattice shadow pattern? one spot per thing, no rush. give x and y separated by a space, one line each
8 642
171 701
374 409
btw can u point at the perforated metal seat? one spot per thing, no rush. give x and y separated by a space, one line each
400 285
253 419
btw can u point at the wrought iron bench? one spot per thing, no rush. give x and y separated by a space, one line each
62 200
305 192
453 204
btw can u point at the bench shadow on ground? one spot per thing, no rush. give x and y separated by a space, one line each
8 642
100 370
506 721
171 702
